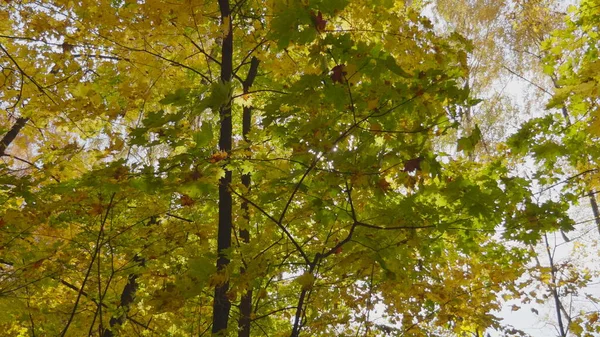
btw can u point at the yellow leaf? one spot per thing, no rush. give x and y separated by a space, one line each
594 127
576 328
352 74
373 104
226 25
306 280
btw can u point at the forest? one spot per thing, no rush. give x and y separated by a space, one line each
299 168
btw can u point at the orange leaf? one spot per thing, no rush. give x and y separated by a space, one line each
186 200
218 156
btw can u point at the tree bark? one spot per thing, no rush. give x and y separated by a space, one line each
221 304
595 211
10 136
554 290
246 301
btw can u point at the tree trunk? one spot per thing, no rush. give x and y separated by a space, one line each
221 304
12 134
246 301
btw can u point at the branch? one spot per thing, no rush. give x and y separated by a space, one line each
248 55
527 80
85 294
362 224
342 136
202 50
25 74
10 136
567 180
281 226
87 275
354 224
178 217
260 90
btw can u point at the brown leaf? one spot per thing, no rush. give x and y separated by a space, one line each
337 74
383 184
66 47
97 209
413 164
318 21
186 200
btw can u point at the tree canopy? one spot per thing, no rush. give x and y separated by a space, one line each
283 168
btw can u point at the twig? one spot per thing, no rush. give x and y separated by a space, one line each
100 232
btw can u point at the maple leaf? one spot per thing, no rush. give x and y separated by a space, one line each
218 156
412 165
67 47
186 200
338 74
306 280
318 21
383 184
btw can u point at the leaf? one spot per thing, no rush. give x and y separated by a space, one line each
467 144
413 165
178 98
391 64
372 105
218 156
205 136
338 74
318 21
306 280
226 26
186 200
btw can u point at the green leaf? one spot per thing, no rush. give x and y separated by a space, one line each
178 98
205 136
467 144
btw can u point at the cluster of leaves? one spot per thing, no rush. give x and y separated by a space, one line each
115 172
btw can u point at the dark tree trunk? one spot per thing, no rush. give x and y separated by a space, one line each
221 304
10 136
246 301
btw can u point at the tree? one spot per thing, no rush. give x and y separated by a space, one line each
296 143
534 33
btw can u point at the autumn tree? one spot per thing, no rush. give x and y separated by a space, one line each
533 36
297 144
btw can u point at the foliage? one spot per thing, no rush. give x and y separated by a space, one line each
301 144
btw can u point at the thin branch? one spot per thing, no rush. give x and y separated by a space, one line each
178 217
527 80
567 180
201 50
279 224
100 232
25 74
248 55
